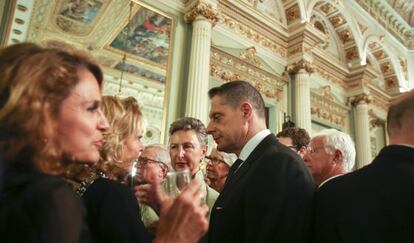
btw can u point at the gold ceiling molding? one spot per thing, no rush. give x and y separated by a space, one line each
391 82
345 36
327 8
379 98
330 70
252 34
204 9
386 17
403 63
328 76
228 67
337 20
405 8
292 13
351 53
328 110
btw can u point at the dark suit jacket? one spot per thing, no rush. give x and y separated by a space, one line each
373 204
113 213
269 199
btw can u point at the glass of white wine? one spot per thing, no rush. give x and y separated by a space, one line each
176 181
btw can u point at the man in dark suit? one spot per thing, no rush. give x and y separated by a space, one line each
269 192
375 203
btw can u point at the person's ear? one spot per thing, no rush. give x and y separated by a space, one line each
164 170
204 150
338 156
302 151
247 109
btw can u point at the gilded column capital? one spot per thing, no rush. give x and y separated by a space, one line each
359 99
294 68
204 9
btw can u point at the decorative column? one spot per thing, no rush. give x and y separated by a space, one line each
203 15
362 138
300 72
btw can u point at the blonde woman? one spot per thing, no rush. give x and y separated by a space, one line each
50 117
123 141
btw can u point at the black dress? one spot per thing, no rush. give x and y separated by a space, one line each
35 207
113 213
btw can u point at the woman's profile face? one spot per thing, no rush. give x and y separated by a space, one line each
132 148
80 121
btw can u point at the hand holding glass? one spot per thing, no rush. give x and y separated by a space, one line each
176 181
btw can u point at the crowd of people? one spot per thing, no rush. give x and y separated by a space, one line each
67 152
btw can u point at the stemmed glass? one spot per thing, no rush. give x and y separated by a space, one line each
176 181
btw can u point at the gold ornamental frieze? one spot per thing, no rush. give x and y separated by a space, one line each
228 68
328 110
251 34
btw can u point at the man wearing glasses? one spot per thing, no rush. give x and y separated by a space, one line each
152 167
218 167
294 138
331 153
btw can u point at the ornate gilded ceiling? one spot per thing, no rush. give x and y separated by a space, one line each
405 8
342 31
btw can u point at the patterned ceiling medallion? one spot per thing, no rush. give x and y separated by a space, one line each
336 20
345 35
327 8
292 13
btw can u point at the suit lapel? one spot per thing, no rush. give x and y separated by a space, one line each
253 157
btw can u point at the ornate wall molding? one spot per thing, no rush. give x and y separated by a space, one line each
360 98
228 68
250 55
374 120
294 68
326 109
380 99
201 8
385 16
251 34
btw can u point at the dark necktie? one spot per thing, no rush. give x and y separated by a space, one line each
234 168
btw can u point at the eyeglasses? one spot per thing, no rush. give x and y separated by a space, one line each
310 150
143 161
293 147
214 160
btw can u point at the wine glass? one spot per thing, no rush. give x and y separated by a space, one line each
176 181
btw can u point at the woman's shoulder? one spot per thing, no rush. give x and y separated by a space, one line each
103 187
35 184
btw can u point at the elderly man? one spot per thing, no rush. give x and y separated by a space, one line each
153 164
374 203
269 193
218 167
331 153
152 167
294 138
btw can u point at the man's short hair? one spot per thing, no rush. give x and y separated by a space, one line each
335 140
236 92
401 111
162 154
300 137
